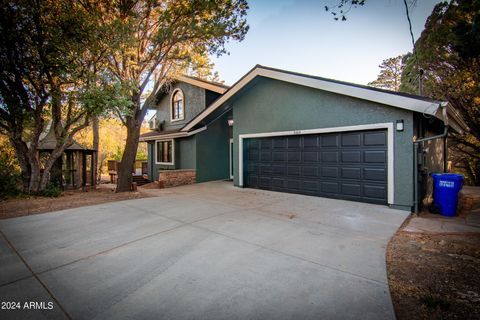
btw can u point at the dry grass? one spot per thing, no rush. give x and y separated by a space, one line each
69 199
434 276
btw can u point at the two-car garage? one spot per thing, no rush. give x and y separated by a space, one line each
342 165
296 133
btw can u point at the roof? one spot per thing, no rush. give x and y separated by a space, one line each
396 99
209 85
49 142
169 134
157 133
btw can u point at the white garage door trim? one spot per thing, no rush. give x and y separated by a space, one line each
388 126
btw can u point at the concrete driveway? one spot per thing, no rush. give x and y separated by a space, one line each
206 251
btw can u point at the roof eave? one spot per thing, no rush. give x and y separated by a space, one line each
453 119
202 84
403 102
171 135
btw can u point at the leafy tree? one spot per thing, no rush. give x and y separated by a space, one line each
448 51
111 141
201 67
9 169
342 8
154 40
49 51
390 74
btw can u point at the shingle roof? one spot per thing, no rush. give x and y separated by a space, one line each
49 142
158 133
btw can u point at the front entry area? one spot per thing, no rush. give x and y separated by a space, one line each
342 165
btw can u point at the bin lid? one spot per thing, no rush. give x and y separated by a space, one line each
448 176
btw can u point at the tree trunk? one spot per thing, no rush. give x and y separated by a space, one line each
34 182
129 154
96 142
52 159
21 151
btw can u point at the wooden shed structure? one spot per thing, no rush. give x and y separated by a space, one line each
76 168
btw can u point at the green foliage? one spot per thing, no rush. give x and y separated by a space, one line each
157 39
52 70
340 10
390 74
118 154
201 67
141 154
432 302
105 95
52 190
9 181
10 178
448 52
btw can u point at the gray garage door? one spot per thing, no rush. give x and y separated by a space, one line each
347 165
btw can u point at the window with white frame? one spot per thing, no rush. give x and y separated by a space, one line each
165 152
178 105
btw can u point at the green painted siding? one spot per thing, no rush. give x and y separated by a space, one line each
187 153
152 167
213 151
194 103
184 157
273 105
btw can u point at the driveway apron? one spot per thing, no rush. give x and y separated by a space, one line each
204 251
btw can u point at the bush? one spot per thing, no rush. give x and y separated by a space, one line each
52 190
9 178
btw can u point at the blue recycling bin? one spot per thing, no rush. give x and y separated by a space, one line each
445 192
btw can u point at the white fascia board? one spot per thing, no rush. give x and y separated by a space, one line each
173 135
390 99
202 84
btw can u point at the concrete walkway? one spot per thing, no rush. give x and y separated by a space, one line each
467 219
206 251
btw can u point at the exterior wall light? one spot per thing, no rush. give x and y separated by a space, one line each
399 125
230 122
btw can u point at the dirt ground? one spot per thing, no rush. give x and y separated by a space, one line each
69 199
434 276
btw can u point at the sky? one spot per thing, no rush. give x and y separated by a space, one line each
299 36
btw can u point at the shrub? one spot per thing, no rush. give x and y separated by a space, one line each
10 178
52 190
432 302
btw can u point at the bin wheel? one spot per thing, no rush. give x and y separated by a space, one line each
434 208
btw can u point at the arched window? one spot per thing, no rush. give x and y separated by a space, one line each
178 105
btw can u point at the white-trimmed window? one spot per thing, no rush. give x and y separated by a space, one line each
165 152
177 109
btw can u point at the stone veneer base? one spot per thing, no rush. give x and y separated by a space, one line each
174 178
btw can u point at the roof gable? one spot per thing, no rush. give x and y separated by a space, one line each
208 85
399 100
48 141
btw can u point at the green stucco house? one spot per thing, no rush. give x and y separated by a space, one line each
289 132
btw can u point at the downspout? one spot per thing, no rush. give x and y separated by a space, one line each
445 154
415 156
